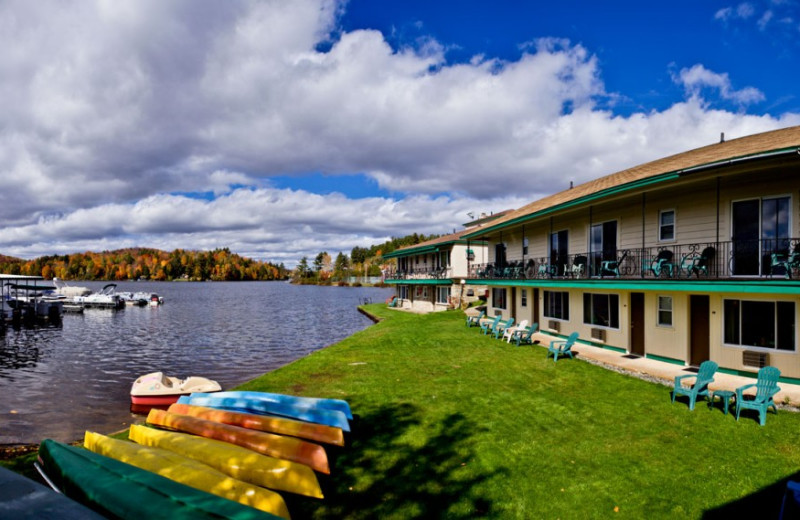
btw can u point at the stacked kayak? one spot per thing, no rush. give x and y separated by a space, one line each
22 498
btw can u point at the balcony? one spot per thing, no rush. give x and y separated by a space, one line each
420 273
739 259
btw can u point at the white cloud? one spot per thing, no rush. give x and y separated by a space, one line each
696 78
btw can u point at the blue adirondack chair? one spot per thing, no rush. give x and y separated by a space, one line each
526 338
662 264
704 377
475 320
562 347
501 327
766 387
490 326
612 266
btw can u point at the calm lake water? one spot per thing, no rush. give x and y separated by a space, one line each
57 382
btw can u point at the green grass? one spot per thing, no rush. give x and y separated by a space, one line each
452 424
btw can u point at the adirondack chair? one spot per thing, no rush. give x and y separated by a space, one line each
490 326
475 320
578 267
785 262
562 347
612 266
704 377
693 264
501 327
526 337
662 264
509 332
766 387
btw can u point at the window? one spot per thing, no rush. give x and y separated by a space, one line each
498 298
601 310
443 294
524 298
665 311
666 225
556 305
602 244
558 251
403 292
760 324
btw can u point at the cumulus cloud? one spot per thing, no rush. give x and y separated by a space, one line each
119 117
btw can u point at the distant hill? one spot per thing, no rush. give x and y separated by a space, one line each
145 263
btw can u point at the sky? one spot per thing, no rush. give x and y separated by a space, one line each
283 128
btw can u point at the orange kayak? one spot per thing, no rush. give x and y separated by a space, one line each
264 423
278 446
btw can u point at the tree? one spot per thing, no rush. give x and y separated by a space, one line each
319 261
303 270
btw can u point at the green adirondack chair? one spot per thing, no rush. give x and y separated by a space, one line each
526 338
490 326
704 377
562 347
766 388
501 327
475 320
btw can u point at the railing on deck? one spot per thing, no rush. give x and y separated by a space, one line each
420 273
714 260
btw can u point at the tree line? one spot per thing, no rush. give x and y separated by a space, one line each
147 264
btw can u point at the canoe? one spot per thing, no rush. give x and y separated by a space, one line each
290 400
248 405
278 446
119 490
235 461
187 471
22 498
264 423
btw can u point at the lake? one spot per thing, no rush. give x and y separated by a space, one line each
57 382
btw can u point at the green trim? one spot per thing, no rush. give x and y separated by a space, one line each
608 347
665 359
433 281
692 286
414 250
754 375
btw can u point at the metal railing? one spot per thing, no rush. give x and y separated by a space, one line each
420 273
757 258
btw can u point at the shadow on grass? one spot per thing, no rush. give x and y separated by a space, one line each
383 474
764 503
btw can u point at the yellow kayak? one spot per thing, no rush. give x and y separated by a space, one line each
238 462
187 471
278 446
264 423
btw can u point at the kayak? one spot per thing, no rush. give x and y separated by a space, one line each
290 400
22 498
278 446
187 471
249 405
265 423
119 490
235 461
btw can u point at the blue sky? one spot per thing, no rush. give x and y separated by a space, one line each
282 128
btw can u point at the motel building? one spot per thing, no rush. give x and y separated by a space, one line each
687 258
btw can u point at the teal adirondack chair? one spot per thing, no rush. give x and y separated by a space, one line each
562 347
766 388
475 320
526 338
490 326
704 377
501 327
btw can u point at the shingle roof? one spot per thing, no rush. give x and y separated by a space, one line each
430 244
757 144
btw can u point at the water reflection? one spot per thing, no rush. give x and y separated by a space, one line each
58 381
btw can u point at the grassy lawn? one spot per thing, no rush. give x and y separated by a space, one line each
452 424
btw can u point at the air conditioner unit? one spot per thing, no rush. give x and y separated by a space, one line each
554 325
598 334
755 359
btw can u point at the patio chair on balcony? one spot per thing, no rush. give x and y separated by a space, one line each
530 268
546 271
488 327
766 387
578 267
561 347
785 262
526 337
662 264
698 264
612 266
704 377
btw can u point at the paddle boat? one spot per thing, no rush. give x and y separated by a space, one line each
156 389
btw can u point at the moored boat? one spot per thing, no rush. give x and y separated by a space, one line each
119 490
248 405
233 460
265 423
156 389
187 471
278 446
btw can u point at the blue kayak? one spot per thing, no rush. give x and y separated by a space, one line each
248 405
292 400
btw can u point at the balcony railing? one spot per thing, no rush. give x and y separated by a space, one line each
420 273
757 258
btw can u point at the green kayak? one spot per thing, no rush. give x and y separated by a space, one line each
119 490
